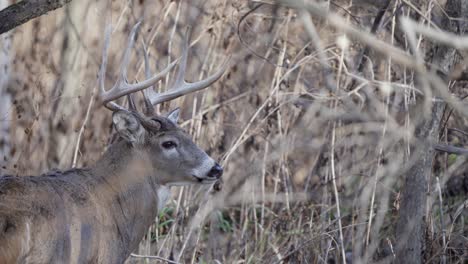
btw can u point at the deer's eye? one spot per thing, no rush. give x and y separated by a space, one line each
169 144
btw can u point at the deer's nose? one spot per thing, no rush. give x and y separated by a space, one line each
216 171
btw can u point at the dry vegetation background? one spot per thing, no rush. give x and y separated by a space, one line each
316 130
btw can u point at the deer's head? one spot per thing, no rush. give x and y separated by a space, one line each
176 159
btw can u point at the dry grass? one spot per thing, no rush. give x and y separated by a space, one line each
315 145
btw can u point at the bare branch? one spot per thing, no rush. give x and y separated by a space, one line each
20 13
451 149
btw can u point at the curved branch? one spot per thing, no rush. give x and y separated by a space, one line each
23 11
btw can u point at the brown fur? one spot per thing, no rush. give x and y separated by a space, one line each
90 215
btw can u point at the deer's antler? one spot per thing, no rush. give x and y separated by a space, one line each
122 87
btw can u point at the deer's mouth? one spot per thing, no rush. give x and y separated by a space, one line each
205 180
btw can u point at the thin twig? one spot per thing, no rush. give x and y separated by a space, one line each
83 126
442 225
154 257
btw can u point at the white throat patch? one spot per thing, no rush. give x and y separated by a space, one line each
163 193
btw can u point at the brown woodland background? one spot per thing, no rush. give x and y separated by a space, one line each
329 122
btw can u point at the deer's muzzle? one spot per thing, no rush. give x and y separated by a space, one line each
216 171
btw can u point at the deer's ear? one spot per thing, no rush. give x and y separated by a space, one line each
174 115
128 126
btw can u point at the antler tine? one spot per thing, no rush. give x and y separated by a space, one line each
131 103
148 93
180 87
127 53
102 71
180 76
122 87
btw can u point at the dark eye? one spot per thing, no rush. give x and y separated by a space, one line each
169 144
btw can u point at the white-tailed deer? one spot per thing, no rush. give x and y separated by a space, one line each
99 214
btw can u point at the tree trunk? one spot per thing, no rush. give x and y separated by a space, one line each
410 229
411 224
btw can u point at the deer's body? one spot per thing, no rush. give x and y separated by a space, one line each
100 214
89 215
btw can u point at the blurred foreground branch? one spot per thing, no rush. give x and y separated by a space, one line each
451 149
20 13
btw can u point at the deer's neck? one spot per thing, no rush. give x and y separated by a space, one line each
127 191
